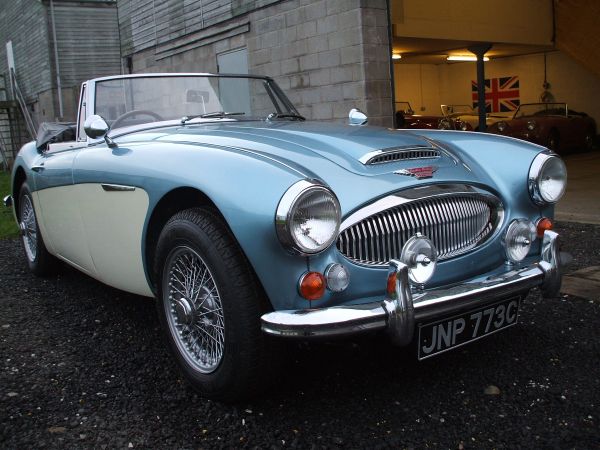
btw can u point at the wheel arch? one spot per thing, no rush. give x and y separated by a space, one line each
172 202
19 178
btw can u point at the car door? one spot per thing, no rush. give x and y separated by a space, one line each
113 207
56 198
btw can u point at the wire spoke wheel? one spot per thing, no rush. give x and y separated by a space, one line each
194 310
28 226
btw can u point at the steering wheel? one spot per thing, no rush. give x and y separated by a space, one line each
134 112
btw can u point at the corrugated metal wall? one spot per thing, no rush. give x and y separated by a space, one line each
24 22
147 23
88 40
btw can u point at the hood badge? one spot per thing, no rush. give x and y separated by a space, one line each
418 172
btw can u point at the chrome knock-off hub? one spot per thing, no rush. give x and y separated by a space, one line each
185 313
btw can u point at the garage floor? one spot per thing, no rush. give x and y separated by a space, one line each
581 202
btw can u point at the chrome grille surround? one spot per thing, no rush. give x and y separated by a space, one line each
456 217
393 154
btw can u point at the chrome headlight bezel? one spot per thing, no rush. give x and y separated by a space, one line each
286 209
541 163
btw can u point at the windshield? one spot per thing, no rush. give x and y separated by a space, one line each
130 101
542 109
404 107
457 110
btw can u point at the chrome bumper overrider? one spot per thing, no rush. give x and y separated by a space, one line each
400 311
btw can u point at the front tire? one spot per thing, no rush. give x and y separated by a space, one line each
210 306
39 260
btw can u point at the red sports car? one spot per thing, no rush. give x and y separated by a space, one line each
406 118
551 125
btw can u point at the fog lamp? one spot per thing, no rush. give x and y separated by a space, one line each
519 236
337 277
420 256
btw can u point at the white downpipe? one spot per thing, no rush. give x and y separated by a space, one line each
58 83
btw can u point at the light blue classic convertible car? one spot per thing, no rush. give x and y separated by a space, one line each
250 224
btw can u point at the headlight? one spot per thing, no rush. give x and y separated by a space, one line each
518 239
307 218
501 126
464 126
547 178
531 125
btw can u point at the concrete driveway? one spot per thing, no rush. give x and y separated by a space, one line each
581 202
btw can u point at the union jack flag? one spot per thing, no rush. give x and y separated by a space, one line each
501 94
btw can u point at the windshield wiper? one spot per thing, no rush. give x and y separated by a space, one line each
285 116
214 114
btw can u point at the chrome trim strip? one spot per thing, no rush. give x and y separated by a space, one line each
117 188
399 311
408 195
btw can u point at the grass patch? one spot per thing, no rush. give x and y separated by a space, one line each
8 227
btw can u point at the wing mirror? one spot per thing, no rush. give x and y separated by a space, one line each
95 127
357 117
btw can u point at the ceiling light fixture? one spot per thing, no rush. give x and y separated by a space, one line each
396 56
465 58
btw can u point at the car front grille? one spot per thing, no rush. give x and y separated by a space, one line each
455 223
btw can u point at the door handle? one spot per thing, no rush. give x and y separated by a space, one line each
38 168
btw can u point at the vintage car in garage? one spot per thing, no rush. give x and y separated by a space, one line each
465 118
250 225
406 118
550 124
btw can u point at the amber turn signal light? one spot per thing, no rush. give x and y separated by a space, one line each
312 285
391 284
542 225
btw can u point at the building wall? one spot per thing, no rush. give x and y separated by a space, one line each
87 36
451 83
329 55
88 46
24 23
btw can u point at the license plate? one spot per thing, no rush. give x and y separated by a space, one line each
447 334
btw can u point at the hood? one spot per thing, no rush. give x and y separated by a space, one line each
338 154
358 149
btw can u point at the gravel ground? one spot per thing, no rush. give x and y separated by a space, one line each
84 365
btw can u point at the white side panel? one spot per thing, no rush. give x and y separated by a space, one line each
63 226
114 223
38 214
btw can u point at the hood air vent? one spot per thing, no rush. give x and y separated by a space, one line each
393 154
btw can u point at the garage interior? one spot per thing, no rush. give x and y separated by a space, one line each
551 46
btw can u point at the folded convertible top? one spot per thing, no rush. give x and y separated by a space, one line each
50 132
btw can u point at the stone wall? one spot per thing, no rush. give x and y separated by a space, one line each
328 56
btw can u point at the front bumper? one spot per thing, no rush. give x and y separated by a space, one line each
400 310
